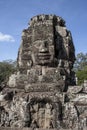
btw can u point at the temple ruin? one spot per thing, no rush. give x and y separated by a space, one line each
43 94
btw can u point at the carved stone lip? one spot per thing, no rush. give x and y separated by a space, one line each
44 56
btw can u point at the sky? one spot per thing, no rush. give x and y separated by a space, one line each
16 14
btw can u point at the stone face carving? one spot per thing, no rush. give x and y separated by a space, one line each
42 94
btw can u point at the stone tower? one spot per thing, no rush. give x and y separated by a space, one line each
38 90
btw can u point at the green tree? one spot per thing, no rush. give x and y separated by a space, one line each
82 75
80 67
6 69
81 61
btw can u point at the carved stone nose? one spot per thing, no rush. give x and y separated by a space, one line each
43 47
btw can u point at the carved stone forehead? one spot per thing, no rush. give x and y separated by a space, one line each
43 26
49 19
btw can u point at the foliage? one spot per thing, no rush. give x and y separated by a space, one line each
6 69
80 67
81 61
82 75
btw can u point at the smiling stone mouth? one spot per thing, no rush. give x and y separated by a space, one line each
43 56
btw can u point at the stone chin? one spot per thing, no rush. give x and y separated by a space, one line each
44 60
